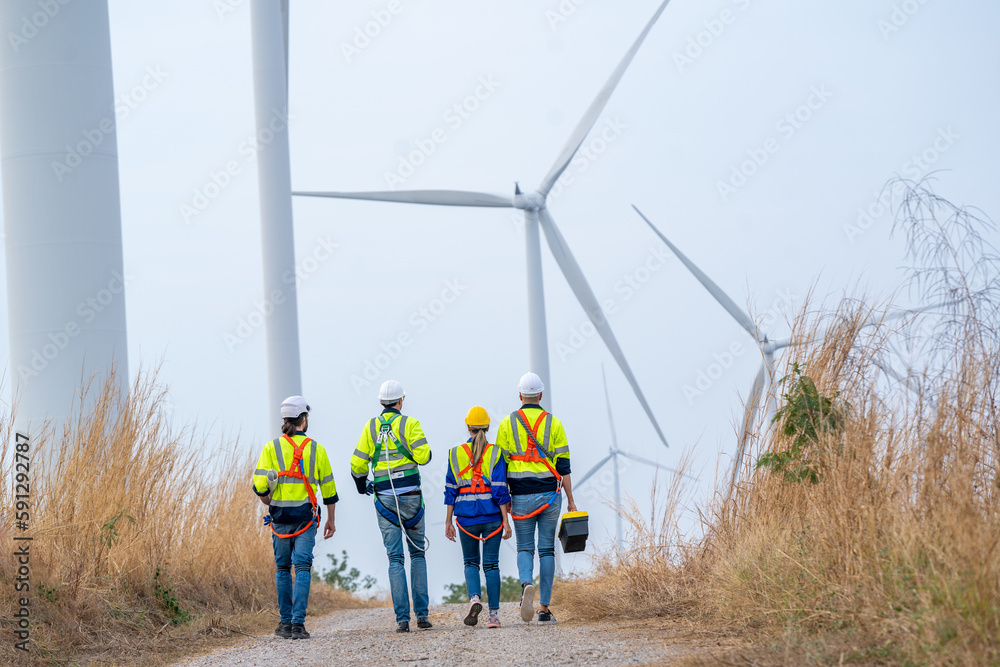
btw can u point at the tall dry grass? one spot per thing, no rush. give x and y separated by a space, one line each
891 556
147 543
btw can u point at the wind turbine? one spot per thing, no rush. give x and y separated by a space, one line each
768 347
613 453
536 215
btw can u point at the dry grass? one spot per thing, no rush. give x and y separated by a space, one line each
147 544
891 557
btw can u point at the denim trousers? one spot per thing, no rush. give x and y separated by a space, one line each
524 530
392 538
298 552
491 561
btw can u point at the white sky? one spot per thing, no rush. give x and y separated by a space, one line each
887 97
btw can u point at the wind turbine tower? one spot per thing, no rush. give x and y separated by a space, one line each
62 213
270 83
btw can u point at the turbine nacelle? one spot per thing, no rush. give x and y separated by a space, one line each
531 201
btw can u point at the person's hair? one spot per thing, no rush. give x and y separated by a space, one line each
479 442
293 424
530 398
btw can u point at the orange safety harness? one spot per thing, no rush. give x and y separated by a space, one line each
295 470
477 486
532 455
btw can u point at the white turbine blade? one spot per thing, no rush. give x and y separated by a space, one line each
611 419
915 311
432 197
737 313
586 123
749 417
772 399
578 283
590 473
654 464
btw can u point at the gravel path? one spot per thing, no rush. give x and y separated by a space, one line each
368 636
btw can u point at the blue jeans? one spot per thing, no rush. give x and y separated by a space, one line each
524 530
297 551
491 561
392 538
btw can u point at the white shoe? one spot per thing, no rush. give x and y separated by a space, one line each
528 603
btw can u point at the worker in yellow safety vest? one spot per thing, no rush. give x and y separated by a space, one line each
538 468
393 445
290 471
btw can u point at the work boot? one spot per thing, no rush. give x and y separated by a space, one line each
299 631
546 618
423 623
475 607
284 630
527 602
404 626
494 620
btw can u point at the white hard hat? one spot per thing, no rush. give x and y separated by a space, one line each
293 406
530 384
390 391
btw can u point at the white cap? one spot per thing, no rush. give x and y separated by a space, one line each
293 406
390 391
530 384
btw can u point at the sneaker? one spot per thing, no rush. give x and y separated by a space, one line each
527 602
424 624
474 608
546 617
284 630
494 620
299 631
404 626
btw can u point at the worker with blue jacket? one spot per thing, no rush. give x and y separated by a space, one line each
478 500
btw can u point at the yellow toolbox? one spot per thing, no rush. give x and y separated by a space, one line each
573 531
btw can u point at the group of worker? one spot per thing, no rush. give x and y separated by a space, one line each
521 476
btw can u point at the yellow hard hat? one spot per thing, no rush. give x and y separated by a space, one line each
477 416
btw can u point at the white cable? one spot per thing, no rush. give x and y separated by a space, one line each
399 513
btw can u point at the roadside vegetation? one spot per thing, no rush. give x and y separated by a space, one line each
148 544
864 526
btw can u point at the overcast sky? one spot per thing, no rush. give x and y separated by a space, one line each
830 101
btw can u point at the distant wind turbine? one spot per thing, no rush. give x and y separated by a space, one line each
536 214
768 347
613 454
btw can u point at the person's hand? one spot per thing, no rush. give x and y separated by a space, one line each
507 531
571 506
449 531
329 529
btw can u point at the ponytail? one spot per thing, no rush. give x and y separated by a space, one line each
479 443
292 424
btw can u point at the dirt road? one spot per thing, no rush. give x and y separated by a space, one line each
367 636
